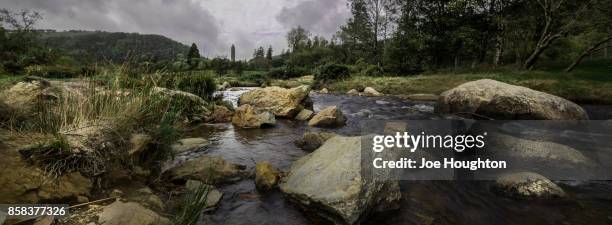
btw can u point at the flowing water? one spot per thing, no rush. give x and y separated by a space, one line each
423 202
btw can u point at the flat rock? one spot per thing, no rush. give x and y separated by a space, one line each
208 169
189 144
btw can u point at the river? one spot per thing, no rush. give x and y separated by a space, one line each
423 202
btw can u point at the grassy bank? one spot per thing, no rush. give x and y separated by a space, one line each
590 83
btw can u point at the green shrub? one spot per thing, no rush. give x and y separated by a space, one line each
54 71
332 71
373 71
200 85
255 77
288 72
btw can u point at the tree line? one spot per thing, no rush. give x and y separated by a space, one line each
410 36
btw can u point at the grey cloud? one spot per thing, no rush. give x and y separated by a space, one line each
318 16
184 20
212 24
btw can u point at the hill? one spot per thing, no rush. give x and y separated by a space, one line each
99 46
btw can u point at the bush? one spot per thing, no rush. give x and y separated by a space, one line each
54 71
200 85
332 71
288 72
373 71
258 78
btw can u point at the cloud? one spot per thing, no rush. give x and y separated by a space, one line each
318 16
213 25
184 21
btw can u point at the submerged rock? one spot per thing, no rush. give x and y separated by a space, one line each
370 91
527 185
208 169
247 116
313 140
120 213
329 117
189 144
213 197
499 100
266 176
353 92
280 101
305 114
329 182
540 153
423 97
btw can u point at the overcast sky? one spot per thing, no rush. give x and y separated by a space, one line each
212 24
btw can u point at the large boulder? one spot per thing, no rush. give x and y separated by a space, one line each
26 95
208 169
330 183
329 117
266 176
280 101
246 116
504 101
120 213
313 140
527 185
197 105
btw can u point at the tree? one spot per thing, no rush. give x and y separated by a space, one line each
19 45
559 18
372 22
269 53
297 38
598 28
233 53
193 53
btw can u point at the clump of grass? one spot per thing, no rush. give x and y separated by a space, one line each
56 158
194 202
119 109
